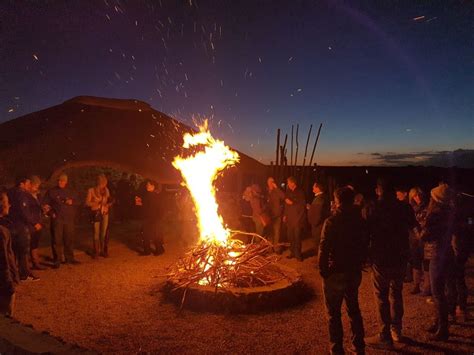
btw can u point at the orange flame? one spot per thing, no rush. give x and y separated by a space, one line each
199 172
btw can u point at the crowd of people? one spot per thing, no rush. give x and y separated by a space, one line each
401 236
25 214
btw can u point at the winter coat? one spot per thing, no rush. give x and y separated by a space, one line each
61 211
276 199
318 210
295 213
438 231
390 223
22 213
344 242
9 276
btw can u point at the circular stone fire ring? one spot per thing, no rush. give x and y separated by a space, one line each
287 292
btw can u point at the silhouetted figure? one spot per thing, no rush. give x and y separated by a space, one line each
294 217
151 203
9 276
318 211
342 253
390 223
439 229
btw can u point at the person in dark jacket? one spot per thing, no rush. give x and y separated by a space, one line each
25 223
294 217
276 199
318 211
151 203
415 198
390 223
342 254
37 212
123 198
9 276
439 229
62 202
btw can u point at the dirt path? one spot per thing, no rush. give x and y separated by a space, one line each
114 305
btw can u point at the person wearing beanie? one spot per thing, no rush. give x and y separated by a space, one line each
438 230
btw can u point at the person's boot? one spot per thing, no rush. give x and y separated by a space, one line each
426 289
35 260
416 282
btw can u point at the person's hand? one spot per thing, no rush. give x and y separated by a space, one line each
69 201
284 219
38 226
308 206
288 201
46 209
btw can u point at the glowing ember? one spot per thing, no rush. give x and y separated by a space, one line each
199 171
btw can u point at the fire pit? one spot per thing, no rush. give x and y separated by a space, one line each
222 272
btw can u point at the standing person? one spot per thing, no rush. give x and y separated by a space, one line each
438 229
24 224
415 198
389 223
318 211
152 207
37 213
61 202
98 200
342 253
123 198
276 199
255 198
294 217
9 276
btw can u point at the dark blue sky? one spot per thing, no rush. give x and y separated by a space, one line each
383 76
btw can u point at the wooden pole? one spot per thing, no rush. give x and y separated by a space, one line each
283 158
315 145
306 147
297 146
291 151
277 161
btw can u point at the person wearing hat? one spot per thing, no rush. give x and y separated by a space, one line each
61 202
438 231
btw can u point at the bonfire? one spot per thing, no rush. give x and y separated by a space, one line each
220 259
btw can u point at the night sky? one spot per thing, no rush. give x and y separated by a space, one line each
392 81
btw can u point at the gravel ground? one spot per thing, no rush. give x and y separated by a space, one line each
114 306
